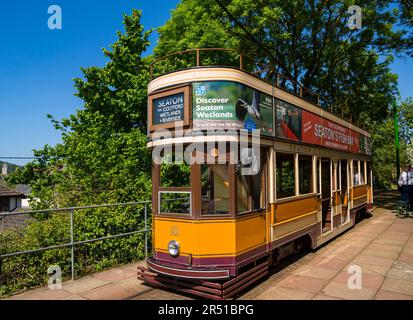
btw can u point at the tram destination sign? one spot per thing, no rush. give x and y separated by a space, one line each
168 108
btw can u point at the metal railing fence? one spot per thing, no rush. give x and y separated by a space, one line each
143 209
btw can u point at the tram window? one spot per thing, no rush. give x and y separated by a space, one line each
356 175
175 202
257 190
214 189
343 168
361 172
243 193
174 172
285 175
250 193
305 167
337 186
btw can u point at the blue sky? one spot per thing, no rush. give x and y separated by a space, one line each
37 64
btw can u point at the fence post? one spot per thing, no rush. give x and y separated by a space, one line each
146 231
72 243
241 61
1 273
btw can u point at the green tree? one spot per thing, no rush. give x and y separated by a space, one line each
102 159
311 42
103 156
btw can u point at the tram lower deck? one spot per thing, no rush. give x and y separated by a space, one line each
215 224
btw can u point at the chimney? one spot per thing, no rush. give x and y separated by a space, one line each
4 169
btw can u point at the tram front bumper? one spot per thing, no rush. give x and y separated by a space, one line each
187 273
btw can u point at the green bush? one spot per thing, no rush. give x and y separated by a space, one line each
22 272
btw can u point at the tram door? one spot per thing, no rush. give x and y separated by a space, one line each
344 191
326 208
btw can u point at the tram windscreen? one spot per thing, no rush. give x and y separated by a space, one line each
175 202
174 172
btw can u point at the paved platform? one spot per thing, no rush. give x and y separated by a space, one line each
113 284
381 247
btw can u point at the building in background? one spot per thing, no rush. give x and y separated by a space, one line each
10 199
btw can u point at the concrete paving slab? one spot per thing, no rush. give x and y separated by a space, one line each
329 262
111 291
341 290
368 280
43 294
381 253
115 274
84 284
382 262
279 293
388 295
133 266
398 285
385 247
315 272
324 297
406 257
370 268
401 270
74 297
302 283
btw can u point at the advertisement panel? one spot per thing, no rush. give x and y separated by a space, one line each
318 130
288 122
311 123
230 105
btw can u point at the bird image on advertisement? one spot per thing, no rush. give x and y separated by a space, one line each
242 108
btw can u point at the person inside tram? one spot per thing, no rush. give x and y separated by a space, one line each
358 179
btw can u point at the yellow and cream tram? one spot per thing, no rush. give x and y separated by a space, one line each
266 172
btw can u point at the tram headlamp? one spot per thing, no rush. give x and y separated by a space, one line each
173 248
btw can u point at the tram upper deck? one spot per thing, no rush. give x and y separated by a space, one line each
231 98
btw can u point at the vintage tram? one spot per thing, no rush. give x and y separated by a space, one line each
245 172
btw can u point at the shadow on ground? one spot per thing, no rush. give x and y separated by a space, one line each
386 199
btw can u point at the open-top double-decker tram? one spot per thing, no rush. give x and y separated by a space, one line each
266 171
